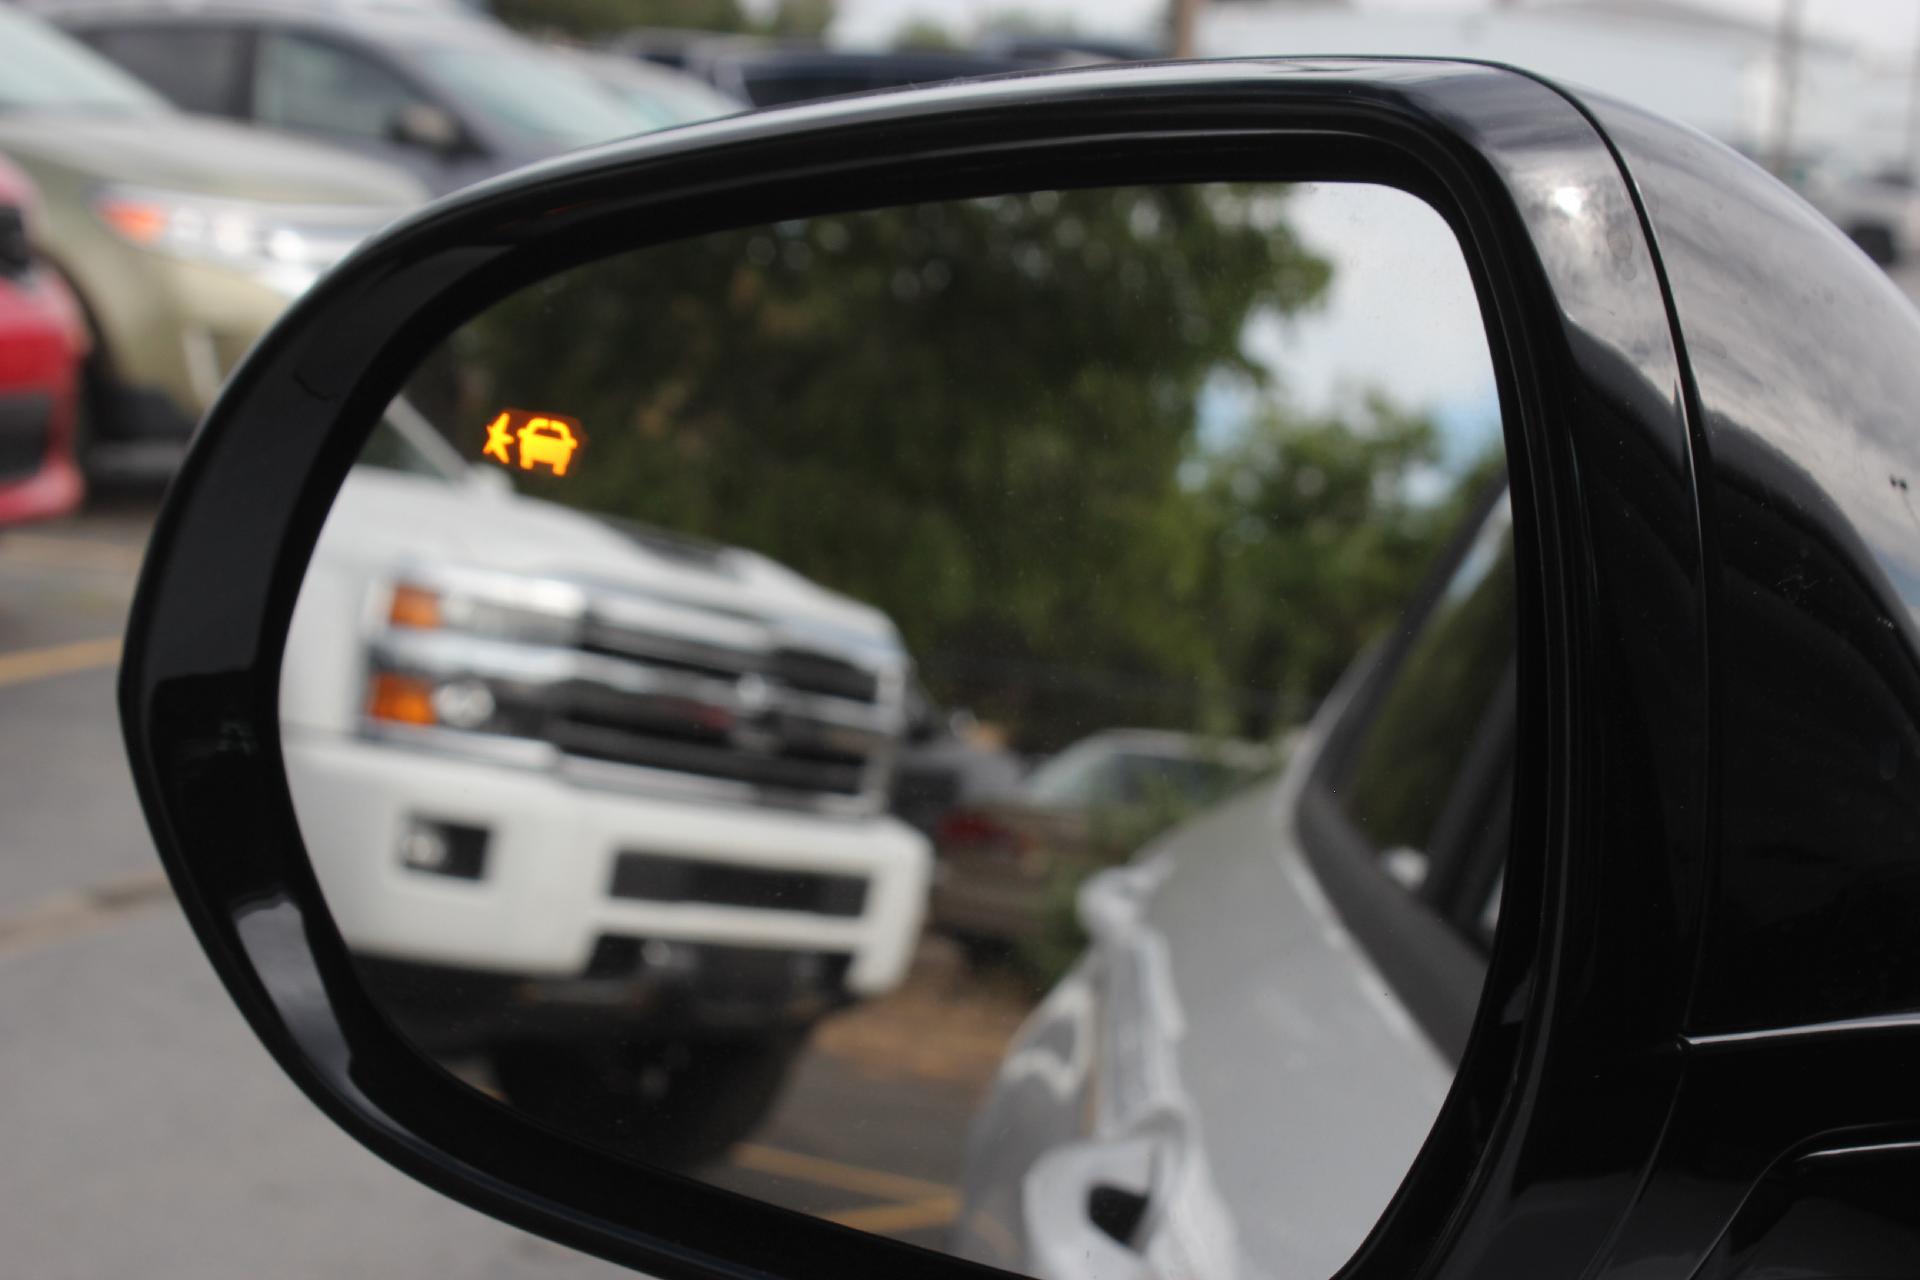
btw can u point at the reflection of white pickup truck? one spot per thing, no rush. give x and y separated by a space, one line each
603 804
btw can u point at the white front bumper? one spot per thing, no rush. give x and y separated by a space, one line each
544 898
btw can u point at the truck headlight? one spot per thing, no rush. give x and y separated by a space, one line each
496 606
399 699
284 247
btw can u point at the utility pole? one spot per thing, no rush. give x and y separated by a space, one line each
1910 152
1185 16
1786 86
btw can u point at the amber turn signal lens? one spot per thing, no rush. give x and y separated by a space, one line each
414 607
401 699
137 221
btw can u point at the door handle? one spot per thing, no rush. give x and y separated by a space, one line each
1091 1207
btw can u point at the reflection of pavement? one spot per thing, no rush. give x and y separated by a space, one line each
872 1128
144 1131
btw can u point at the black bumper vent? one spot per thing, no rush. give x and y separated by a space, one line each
657 878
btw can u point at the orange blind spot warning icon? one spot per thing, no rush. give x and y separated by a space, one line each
541 438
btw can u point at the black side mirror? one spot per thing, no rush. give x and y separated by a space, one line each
1592 1122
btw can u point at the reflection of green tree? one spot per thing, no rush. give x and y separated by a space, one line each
1318 542
982 417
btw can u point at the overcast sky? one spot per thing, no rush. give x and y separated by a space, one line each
1399 319
1883 26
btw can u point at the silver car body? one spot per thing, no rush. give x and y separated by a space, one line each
1221 1005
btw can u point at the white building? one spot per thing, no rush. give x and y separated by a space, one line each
1717 72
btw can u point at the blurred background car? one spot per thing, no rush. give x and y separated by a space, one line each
1879 210
949 760
655 93
774 74
1092 804
183 238
768 73
42 341
450 95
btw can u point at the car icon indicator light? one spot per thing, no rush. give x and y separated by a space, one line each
540 439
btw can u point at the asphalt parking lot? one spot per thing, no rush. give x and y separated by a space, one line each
146 1133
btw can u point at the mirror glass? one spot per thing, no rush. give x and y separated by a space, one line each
989 721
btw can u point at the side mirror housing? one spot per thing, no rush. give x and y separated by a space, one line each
1594 1122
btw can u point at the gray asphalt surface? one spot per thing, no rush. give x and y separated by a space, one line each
144 1132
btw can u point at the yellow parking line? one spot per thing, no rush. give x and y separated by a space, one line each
56 917
831 1173
983 1226
58 660
894 1219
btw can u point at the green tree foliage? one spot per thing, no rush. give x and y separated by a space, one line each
1407 761
923 33
1317 542
799 20
984 417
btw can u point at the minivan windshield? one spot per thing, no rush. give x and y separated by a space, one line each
46 71
531 95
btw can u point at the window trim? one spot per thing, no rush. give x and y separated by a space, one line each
238 100
265 31
1418 946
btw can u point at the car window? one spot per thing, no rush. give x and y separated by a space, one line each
317 85
1417 750
679 101
1075 776
197 68
529 94
45 70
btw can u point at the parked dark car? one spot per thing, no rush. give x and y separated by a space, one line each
1653 959
1093 804
948 759
771 75
450 96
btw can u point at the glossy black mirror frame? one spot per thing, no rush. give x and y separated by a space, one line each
1558 1105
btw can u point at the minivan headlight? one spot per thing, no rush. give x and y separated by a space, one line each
283 246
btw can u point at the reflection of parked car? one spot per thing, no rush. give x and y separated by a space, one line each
948 760
1880 212
1092 803
452 97
604 804
183 238
1131 1130
42 340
